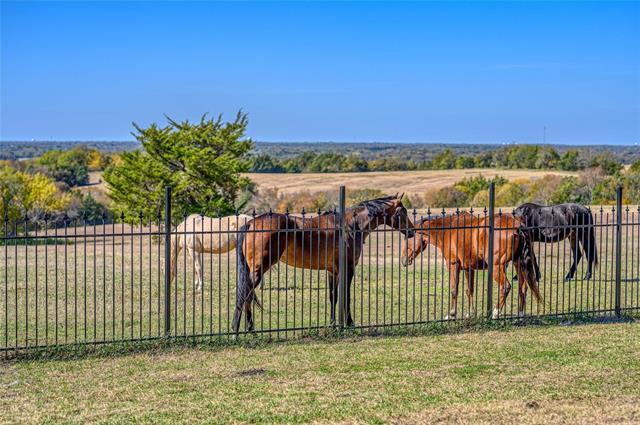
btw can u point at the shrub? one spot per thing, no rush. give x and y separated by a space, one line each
201 161
446 197
34 195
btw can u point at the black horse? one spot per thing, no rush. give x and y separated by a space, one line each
554 223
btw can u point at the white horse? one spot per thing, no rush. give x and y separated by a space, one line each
198 234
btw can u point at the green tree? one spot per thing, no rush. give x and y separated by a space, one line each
571 190
632 185
444 160
464 161
359 195
201 161
265 163
32 195
91 210
569 160
70 167
446 197
608 162
510 194
547 158
522 156
354 163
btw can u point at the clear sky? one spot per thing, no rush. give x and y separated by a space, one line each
354 72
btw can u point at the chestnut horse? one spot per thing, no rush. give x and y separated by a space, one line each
311 243
463 240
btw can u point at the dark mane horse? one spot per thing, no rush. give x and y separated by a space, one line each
554 223
311 243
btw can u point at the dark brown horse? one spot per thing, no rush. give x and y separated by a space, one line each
557 222
463 240
311 243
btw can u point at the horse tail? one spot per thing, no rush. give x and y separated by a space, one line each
527 257
245 291
589 245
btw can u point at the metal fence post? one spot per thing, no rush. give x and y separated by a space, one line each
618 248
492 190
342 279
167 261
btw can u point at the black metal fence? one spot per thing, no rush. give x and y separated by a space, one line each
77 282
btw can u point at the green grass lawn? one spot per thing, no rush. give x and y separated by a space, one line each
571 374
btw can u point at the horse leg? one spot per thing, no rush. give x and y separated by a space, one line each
333 296
197 263
588 246
522 290
470 275
576 254
454 279
500 277
350 273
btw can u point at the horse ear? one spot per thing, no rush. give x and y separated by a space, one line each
401 195
396 195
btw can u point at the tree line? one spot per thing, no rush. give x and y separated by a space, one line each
205 163
512 157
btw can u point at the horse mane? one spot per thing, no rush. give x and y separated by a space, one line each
376 206
442 220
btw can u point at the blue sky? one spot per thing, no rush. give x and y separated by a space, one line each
354 72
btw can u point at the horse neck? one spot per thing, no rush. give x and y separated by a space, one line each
363 223
439 231
436 237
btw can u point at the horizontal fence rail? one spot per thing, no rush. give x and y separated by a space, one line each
81 282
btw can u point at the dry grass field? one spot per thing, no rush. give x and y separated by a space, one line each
411 182
585 374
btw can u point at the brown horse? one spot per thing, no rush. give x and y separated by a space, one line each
463 240
311 243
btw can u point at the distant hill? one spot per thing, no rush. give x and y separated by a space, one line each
15 150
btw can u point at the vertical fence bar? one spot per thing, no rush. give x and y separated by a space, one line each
167 261
618 247
492 189
342 264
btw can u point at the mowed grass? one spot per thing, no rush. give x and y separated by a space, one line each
574 374
112 287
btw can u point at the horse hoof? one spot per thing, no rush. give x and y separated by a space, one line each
450 317
521 314
587 276
496 313
568 278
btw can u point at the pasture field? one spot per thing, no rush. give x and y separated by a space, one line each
526 375
105 288
411 182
